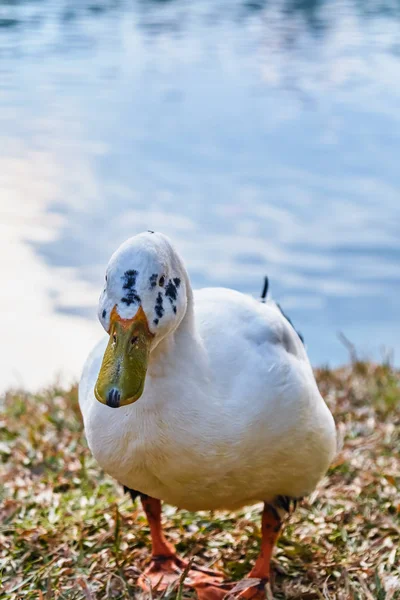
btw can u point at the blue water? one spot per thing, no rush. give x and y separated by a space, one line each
262 137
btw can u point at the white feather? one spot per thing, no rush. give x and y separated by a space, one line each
230 414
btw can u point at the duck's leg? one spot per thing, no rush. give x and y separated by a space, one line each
253 587
166 567
261 572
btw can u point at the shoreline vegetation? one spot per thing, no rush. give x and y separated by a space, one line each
69 531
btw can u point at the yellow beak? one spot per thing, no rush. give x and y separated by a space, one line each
123 370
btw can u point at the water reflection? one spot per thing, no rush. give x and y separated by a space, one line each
261 136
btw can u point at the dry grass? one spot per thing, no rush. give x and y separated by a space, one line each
69 532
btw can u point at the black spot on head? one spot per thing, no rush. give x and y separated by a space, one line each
103 314
153 280
131 298
177 282
174 309
150 231
106 277
129 279
171 291
159 308
155 321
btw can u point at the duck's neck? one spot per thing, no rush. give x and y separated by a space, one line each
183 343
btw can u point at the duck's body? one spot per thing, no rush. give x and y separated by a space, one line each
204 401
230 414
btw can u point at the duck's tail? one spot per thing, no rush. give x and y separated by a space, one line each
290 321
263 299
264 292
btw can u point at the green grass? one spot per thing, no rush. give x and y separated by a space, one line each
68 531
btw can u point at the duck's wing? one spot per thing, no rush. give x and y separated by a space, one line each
233 321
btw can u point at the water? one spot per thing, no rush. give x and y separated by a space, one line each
263 137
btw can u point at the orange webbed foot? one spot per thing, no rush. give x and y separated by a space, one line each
213 590
166 571
162 572
247 589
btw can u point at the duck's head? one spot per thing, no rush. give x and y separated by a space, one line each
144 299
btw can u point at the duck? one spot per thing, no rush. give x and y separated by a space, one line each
204 400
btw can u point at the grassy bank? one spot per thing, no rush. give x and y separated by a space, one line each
68 531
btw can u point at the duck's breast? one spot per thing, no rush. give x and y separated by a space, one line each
236 420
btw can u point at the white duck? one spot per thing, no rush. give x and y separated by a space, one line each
204 401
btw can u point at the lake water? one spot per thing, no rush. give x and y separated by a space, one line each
262 137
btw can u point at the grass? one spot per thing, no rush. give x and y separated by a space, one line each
68 531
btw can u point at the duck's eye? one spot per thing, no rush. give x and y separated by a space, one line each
114 337
106 277
161 281
134 339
